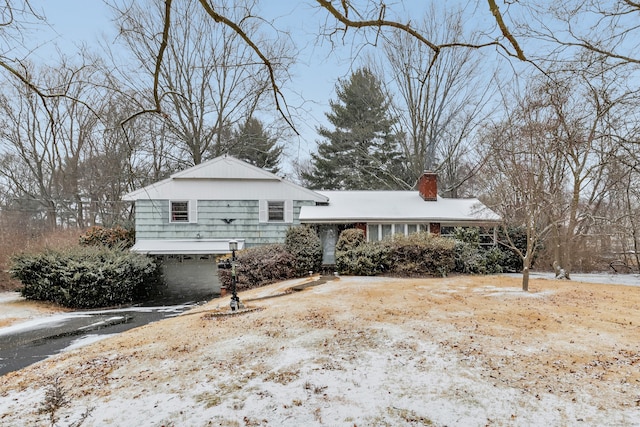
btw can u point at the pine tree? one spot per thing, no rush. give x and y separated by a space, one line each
252 143
362 152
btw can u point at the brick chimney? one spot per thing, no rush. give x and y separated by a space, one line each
428 186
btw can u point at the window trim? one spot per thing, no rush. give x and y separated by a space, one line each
263 214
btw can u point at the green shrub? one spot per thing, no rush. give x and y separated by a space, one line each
304 244
494 257
115 237
471 258
349 239
416 255
355 256
363 259
421 254
469 235
512 262
86 277
259 266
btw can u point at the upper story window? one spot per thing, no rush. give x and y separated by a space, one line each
275 211
183 211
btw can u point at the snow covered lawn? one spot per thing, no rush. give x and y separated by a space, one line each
460 351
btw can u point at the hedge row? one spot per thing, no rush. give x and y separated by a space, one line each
86 277
421 254
416 255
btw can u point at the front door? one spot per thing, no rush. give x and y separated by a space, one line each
329 238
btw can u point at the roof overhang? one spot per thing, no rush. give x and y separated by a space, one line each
185 246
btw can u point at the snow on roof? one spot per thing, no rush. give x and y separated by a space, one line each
369 206
224 178
185 247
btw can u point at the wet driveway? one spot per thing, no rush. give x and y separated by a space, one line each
28 342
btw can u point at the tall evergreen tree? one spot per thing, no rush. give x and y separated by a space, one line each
362 153
253 144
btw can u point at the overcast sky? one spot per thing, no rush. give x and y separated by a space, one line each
76 22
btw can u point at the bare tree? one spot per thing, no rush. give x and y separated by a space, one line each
568 130
28 151
442 98
209 77
591 109
563 29
522 177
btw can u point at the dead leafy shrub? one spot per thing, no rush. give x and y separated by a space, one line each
114 237
55 399
260 266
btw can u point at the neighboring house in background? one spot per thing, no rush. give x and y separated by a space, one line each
188 219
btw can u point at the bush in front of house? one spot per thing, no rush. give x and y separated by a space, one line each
114 237
259 266
368 259
304 244
349 239
86 277
471 257
420 254
355 256
512 261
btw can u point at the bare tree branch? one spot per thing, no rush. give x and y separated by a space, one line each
277 94
381 22
505 30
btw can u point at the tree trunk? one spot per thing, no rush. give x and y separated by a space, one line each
525 279
526 265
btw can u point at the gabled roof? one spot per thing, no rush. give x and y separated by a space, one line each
401 206
224 178
225 167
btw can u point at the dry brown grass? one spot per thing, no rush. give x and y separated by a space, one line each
575 343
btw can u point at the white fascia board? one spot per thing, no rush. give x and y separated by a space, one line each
185 246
